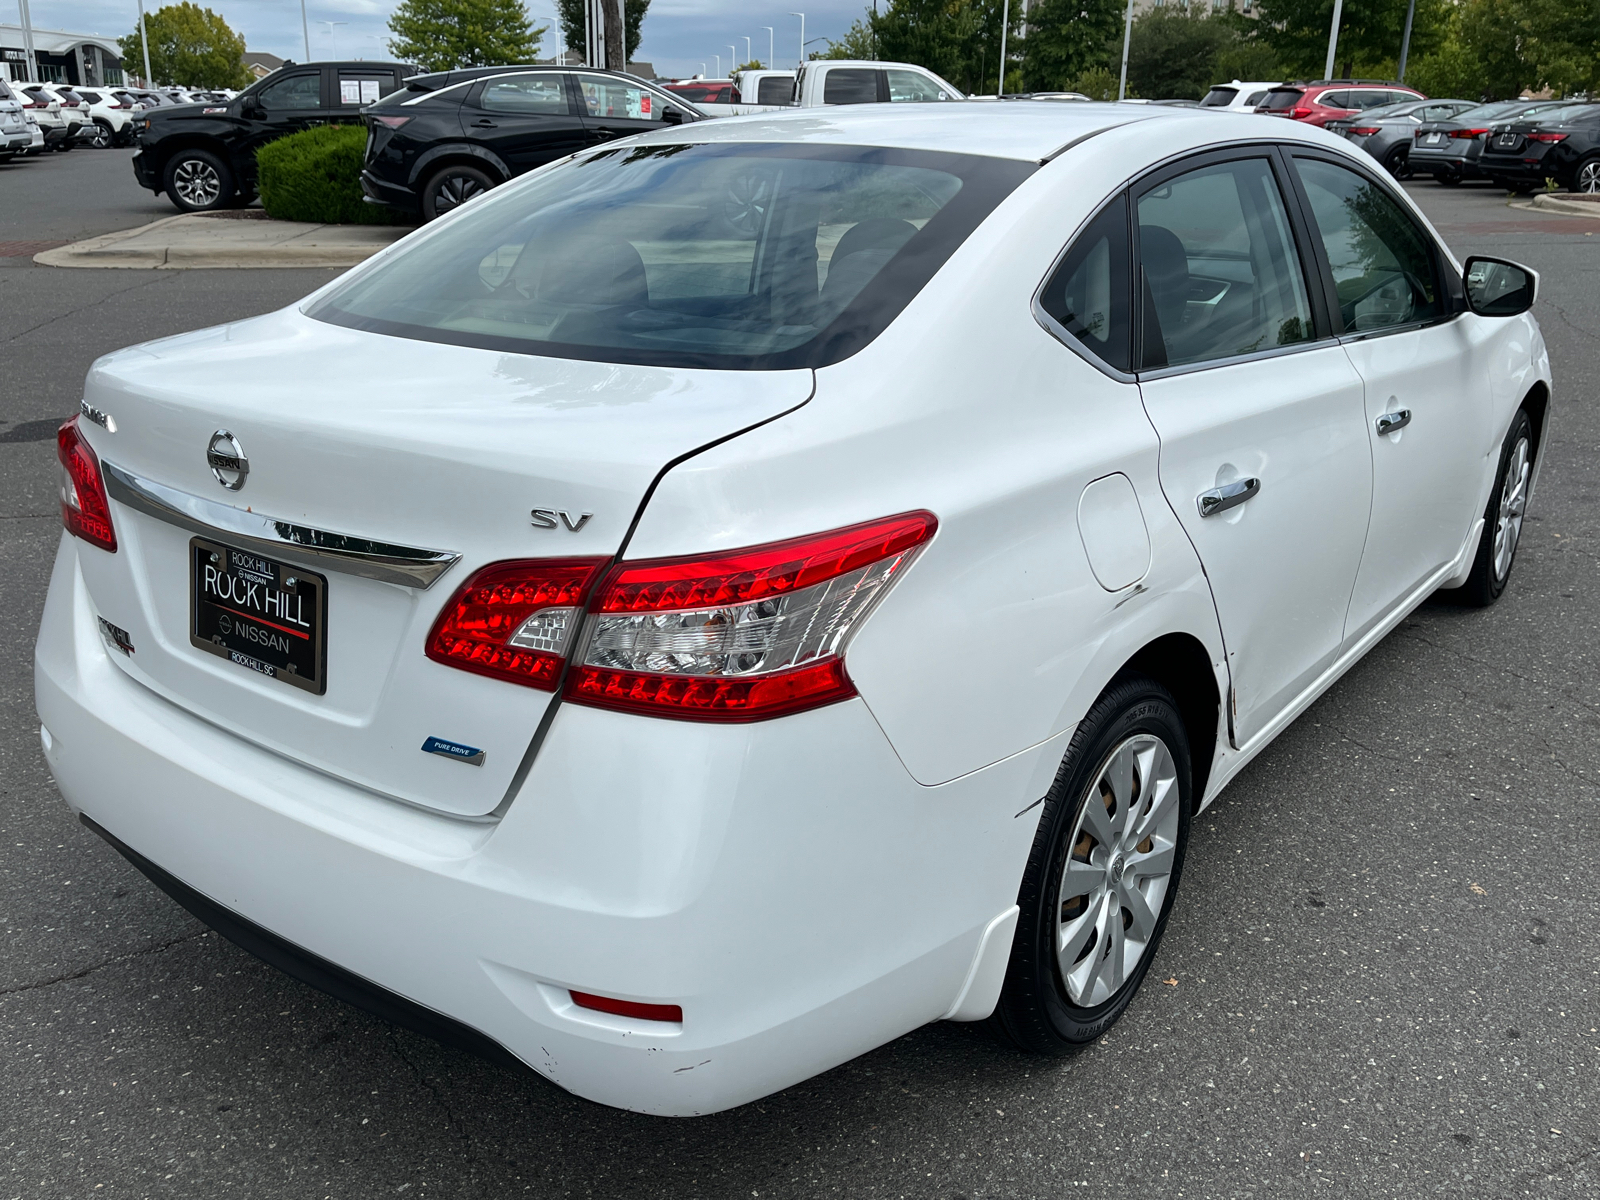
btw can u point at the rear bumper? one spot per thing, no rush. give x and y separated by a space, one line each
381 191
54 134
787 883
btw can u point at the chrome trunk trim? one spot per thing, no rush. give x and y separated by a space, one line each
408 566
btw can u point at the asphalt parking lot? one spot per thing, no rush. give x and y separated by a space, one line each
1383 972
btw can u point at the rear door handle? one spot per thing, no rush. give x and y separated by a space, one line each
1220 499
1394 421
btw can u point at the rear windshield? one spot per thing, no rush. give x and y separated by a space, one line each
1279 99
1219 97
1571 112
775 90
738 256
5 92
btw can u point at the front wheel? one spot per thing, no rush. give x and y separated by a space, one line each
451 187
102 137
1103 873
1586 179
1448 178
197 181
1398 163
1502 521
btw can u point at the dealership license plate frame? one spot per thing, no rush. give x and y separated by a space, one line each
210 622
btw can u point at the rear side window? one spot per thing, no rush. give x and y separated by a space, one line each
1219 97
775 90
363 87
1333 100
1088 294
295 92
1382 264
850 85
608 96
1254 98
909 85
90 97
1282 99
532 95
1219 273
739 256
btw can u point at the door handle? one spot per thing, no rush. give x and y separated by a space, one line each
1220 499
485 123
1393 421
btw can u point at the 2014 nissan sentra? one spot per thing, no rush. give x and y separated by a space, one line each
735 595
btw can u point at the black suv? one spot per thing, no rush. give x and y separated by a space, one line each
450 136
203 156
1559 143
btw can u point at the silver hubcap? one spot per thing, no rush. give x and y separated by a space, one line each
102 137
1118 870
197 183
454 191
1589 177
1513 500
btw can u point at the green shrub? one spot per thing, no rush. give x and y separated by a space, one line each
315 175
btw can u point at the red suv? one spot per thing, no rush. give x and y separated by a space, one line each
1332 99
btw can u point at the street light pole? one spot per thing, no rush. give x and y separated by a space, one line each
1405 41
332 36
772 46
305 29
1005 21
144 41
718 57
27 41
1333 38
1127 36
802 17
747 50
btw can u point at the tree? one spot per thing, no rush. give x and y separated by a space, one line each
1173 52
439 35
1068 39
570 14
189 46
956 39
1370 32
858 42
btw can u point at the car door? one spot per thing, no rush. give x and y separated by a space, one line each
527 120
614 107
1425 372
288 104
1264 454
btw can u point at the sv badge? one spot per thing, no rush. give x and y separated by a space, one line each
555 518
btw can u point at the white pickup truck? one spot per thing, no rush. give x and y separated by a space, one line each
827 81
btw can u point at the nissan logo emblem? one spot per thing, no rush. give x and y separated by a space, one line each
226 459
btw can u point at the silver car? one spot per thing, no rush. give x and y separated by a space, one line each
16 135
1386 133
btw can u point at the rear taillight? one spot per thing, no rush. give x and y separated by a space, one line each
1468 134
743 635
629 1008
391 122
85 507
1300 114
1364 130
515 620
1547 137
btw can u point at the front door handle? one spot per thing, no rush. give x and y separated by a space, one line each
1392 422
485 123
1220 499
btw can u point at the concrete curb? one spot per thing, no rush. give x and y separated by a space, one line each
194 241
1560 205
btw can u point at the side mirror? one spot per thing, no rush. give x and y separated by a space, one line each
253 111
1497 288
671 116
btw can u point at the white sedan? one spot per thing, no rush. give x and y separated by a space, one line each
733 596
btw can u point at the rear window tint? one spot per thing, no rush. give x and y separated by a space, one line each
740 256
1282 99
849 85
775 90
5 92
1219 97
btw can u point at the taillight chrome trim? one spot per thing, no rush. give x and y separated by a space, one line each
387 562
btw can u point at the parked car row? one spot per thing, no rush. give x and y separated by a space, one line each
35 117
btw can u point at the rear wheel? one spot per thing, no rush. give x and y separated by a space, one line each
197 181
1587 177
1448 178
1103 873
102 136
451 187
1502 520
1398 163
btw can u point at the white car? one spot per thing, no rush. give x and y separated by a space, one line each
16 133
716 604
1237 96
112 114
74 111
45 108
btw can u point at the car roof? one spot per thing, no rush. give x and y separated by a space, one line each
1028 130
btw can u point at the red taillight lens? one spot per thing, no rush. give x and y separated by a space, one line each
1364 130
629 1008
392 122
515 620
85 507
1468 134
1300 114
1547 137
744 635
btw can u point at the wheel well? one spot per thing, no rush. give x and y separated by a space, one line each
458 158
179 144
1537 402
1179 663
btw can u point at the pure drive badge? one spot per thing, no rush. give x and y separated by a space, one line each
470 755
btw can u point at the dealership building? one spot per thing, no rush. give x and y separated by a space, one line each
85 58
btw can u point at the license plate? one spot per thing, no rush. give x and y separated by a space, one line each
259 614
1506 139
1433 139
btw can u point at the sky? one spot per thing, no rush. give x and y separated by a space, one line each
678 35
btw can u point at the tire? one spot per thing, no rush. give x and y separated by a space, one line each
1586 179
1502 519
1398 163
450 187
1064 987
63 145
1448 178
104 135
197 181
6 157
